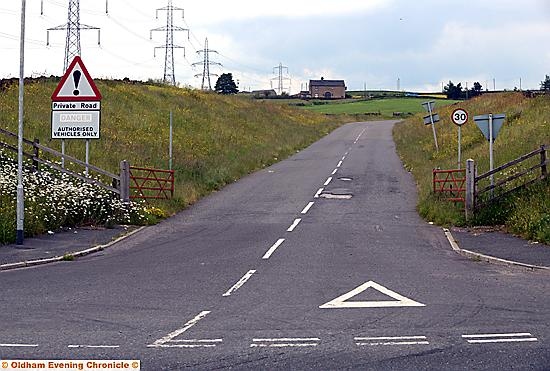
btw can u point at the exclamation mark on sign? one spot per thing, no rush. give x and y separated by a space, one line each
76 78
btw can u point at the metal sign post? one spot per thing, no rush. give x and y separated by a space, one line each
459 118
490 126
432 118
171 137
20 209
491 158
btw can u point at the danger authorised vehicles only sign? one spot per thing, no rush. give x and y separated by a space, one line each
76 106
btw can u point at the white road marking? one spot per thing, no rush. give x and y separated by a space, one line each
400 300
18 345
318 192
196 343
187 326
183 346
240 283
308 206
343 158
339 164
273 248
514 340
199 341
284 342
283 345
334 171
499 338
94 346
294 225
328 181
392 340
285 339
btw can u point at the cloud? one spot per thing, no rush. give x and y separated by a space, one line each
249 9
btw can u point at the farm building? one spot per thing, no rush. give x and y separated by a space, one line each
328 89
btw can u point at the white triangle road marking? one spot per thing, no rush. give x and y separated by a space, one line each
342 301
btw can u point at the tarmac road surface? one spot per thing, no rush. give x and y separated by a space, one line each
318 262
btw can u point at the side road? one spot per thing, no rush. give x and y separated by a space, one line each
477 244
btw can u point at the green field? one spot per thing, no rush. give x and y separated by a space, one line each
386 107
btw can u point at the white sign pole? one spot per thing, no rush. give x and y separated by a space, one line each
63 153
459 118
491 160
20 211
433 126
459 147
87 155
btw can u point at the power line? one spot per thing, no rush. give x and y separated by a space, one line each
169 71
206 63
73 27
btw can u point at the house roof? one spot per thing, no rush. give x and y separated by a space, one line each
327 83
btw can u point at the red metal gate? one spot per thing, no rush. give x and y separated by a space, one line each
149 183
450 183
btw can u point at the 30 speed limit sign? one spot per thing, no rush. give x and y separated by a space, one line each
459 116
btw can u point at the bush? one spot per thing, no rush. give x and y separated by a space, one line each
54 200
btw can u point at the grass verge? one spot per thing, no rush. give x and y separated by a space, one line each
526 213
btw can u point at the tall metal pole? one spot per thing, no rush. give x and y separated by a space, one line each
433 126
87 156
491 159
171 138
459 146
20 213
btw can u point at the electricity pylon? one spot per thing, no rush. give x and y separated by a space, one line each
73 27
206 63
280 77
169 71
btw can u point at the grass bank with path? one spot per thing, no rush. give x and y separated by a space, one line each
217 139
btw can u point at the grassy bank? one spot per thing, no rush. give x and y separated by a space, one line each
217 139
527 127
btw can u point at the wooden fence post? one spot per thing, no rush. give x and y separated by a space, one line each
125 181
470 188
543 157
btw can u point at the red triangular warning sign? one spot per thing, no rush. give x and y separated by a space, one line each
76 84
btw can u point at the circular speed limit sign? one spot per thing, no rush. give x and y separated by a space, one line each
459 116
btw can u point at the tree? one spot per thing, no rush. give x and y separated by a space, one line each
476 90
545 85
453 91
226 85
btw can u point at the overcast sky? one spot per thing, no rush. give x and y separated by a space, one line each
423 42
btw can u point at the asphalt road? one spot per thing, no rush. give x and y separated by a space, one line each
256 276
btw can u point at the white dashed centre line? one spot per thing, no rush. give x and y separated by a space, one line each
318 193
239 284
294 225
334 171
273 248
339 164
308 206
343 158
328 181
